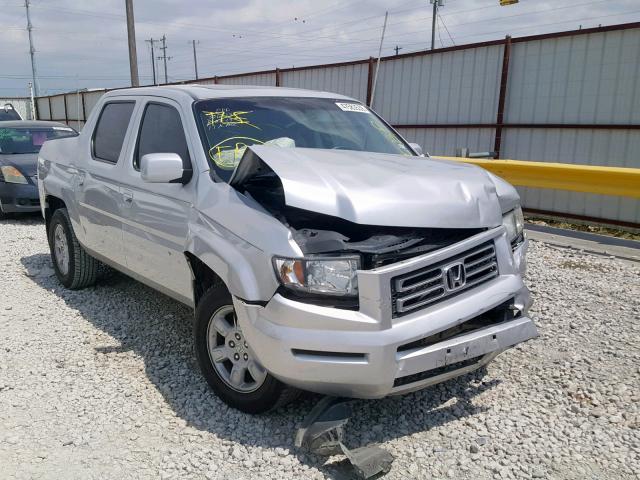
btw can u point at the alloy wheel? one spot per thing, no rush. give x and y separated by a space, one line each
230 354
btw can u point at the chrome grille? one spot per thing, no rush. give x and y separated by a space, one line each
429 285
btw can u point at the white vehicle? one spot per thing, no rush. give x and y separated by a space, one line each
319 249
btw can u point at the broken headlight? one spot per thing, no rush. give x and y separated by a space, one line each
319 275
513 221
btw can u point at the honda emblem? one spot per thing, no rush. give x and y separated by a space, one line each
455 276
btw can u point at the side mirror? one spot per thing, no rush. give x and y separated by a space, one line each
161 168
417 148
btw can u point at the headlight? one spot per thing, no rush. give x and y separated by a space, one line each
12 174
319 275
513 221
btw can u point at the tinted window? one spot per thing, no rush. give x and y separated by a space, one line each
111 130
30 139
161 132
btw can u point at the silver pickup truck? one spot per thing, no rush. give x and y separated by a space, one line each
319 249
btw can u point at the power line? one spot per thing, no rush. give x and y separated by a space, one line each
181 24
13 76
284 35
411 33
447 30
535 26
349 42
352 52
440 38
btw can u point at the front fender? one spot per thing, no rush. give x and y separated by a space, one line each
246 270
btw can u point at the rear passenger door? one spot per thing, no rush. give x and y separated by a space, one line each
155 227
97 184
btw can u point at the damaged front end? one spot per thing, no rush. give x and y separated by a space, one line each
424 254
320 233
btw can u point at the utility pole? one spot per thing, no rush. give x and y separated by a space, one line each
195 57
33 102
153 60
436 4
375 76
131 35
164 56
397 49
32 50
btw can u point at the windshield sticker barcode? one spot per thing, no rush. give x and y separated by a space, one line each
352 107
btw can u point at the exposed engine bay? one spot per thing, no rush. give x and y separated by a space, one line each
318 233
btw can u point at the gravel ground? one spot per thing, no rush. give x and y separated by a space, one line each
102 383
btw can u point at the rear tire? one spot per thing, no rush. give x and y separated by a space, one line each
74 267
246 393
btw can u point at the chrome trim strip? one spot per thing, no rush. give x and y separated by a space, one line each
400 282
480 260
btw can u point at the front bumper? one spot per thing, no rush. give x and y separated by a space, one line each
19 198
369 353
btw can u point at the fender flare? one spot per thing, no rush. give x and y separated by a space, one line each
243 268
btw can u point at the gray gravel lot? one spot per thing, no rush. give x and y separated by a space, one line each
102 383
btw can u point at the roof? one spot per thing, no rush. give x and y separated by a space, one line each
30 124
201 92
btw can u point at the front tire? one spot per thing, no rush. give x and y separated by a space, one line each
74 267
227 362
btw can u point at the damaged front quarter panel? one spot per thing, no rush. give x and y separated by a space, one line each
239 251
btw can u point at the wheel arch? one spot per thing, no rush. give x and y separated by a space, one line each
52 204
246 273
202 277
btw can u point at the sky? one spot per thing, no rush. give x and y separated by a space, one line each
83 43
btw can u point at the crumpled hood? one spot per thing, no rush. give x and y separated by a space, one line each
380 189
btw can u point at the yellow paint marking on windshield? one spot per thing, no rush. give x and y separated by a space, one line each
389 135
225 118
227 153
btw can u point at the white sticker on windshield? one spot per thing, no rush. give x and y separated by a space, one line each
352 107
65 129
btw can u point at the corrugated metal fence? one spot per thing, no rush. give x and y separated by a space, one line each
569 97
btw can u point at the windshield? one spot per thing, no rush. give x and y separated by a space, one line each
229 126
17 140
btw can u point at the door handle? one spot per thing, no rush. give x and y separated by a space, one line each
128 197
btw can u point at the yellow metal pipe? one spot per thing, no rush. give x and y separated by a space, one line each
617 181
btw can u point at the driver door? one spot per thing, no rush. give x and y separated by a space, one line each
155 224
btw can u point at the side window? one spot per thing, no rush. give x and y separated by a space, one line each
161 131
111 129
